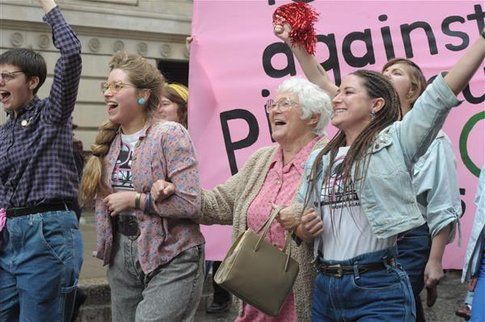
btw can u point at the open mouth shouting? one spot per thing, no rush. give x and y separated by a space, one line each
111 105
4 96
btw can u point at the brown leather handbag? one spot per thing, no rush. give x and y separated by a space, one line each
257 272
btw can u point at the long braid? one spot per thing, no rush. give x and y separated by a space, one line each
92 181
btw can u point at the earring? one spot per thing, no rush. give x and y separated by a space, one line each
141 101
372 115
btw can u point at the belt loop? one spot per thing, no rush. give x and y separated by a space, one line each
356 270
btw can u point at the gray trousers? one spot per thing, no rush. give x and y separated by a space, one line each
172 293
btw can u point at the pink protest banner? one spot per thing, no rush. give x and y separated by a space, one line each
236 64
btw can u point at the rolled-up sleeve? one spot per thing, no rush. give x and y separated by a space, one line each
437 190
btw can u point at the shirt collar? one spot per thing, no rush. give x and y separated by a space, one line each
298 160
30 106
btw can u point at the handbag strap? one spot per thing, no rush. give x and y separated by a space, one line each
267 224
265 228
287 246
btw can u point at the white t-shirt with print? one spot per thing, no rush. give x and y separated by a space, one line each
347 232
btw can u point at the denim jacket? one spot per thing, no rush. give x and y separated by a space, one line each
386 191
477 236
436 186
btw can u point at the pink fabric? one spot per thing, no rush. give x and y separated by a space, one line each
164 151
213 76
279 187
3 218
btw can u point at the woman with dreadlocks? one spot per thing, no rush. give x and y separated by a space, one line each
360 192
421 249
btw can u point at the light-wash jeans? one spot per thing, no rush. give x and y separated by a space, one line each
40 261
171 293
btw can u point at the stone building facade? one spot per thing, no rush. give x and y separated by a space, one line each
156 29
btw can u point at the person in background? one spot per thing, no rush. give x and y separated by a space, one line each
434 177
38 181
78 151
474 266
465 310
173 103
221 299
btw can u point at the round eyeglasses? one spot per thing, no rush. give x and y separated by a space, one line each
283 104
8 76
114 87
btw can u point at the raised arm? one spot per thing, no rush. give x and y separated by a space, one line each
67 72
313 71
461 73
47 5
420 126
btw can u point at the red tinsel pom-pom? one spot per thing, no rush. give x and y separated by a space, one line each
301 17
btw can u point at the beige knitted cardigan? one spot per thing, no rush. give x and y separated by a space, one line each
228 204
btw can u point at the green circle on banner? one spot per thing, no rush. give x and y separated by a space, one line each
465 133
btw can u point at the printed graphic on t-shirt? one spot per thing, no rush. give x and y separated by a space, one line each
122 176
334 194
346 230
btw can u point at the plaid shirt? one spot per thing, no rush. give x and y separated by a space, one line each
36 157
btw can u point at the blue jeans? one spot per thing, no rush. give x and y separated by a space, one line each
378 295
413 253
478 306
40 261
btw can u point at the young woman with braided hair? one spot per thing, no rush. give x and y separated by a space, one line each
361 196
153 247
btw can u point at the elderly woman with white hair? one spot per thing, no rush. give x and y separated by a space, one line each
298 116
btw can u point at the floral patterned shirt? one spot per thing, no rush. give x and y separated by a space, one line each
164 151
